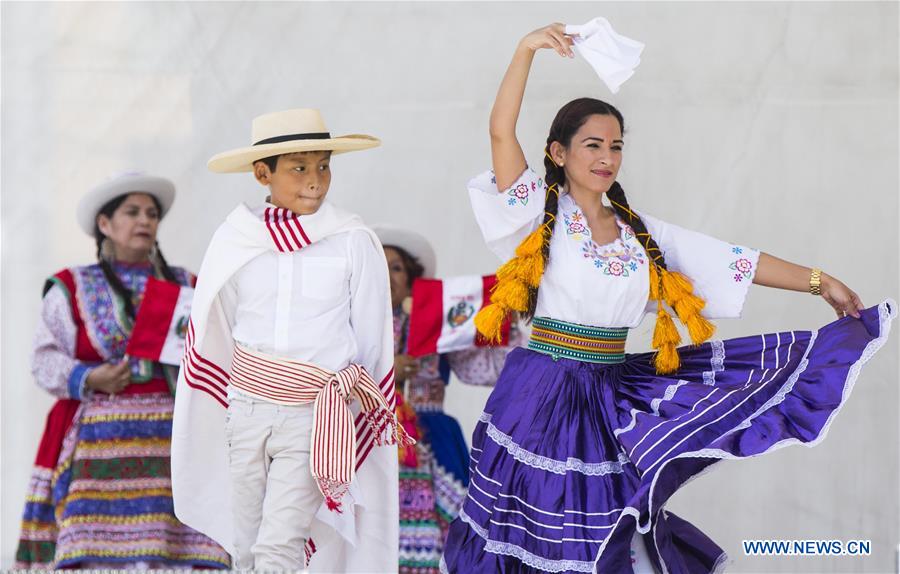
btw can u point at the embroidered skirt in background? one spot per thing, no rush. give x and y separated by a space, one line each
107 503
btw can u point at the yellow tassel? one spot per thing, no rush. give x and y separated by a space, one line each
699 328
533 243
511 294
509 270
654 282
666 360
531 269
665 332
665 341
675 286
489 322
528 269
688 306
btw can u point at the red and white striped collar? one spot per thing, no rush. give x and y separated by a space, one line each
285 229
280 230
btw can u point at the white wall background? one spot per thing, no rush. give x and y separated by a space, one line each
769 124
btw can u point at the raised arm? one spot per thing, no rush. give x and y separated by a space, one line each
774 272
506 153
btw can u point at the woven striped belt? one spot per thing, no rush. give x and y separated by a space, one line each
578 342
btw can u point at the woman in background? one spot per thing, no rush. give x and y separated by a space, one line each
100 494
434 474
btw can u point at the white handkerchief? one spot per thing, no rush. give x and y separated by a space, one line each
613 56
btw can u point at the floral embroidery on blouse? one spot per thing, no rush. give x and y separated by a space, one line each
617 259
575 225
743 266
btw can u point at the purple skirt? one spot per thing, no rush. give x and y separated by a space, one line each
570 458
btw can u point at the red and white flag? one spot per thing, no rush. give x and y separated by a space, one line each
443 313
161 323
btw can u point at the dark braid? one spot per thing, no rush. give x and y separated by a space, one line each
164 268
112 278
554 177
619 203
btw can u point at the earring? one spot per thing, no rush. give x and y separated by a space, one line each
107 250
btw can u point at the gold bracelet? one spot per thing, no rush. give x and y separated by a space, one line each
815 281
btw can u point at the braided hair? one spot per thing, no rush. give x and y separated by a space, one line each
519 278
161 266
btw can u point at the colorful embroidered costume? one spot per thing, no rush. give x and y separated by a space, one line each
433 482
581 445
100 493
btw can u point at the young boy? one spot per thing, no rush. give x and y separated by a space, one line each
287 380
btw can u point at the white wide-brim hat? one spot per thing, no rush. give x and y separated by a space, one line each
123 183
411 242
290 131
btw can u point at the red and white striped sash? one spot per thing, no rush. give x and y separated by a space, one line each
335 442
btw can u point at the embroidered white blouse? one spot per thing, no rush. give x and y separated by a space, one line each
607 285
313 305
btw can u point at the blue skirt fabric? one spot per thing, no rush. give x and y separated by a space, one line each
570 458
451 456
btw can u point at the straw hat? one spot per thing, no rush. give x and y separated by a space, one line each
123 183
411 242
284 132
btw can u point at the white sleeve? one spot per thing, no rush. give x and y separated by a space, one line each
507 218
721 272
370 302
53 362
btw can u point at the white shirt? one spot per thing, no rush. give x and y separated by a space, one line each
308 305
607 285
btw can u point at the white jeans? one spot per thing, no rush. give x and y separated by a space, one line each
275 497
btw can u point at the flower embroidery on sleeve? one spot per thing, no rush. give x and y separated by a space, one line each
743 266
518 193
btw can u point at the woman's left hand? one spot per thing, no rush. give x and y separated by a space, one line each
841 297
